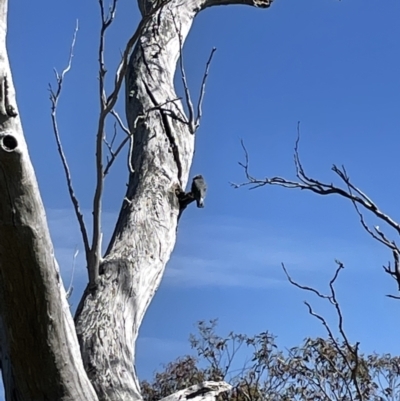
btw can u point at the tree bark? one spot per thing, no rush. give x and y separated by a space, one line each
108 317
40 356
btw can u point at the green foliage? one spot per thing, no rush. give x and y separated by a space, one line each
318 370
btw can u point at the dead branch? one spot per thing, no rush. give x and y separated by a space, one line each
54 98
357 197
189 102
203 89
95 251
193 121
114 153
71 282
120 123
353 362
304 287
109 145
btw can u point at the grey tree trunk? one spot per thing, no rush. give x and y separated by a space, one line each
40 355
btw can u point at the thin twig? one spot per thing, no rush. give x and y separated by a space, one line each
188 98
114 155
54 98
304 287
192 121
120 123
110 144
393 296
381 236
203 89
70 287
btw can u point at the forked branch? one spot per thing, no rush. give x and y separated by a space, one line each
193 121
114 153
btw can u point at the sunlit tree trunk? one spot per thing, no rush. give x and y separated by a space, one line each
40 356
145 234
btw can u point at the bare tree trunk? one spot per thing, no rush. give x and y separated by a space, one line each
40 356
108 318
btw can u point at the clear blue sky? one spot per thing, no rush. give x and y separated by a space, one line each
334 66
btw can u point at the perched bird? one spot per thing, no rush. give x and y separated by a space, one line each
199 189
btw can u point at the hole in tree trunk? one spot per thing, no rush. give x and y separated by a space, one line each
9 143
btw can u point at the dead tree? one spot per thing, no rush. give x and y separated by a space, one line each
45 355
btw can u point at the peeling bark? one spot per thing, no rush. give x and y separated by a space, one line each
108 318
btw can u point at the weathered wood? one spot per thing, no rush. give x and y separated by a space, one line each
206 391
108 318
40 356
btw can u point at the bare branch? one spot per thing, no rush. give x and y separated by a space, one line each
110 144
95 251
203 89
193 122
353 362
54 98
359 199
106 21
129 136
189 102
395 272
71 287
120 123
114 155
299 167
304 287
245 166
393 296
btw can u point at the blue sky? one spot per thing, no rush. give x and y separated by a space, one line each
334 66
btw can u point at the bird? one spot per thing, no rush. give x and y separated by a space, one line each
199 188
